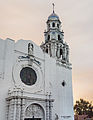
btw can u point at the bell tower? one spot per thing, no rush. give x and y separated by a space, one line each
54 44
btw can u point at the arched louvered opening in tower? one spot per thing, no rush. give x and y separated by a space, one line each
48 37
53 24
59 38
58 25
60 52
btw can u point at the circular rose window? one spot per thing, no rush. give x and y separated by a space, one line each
28 76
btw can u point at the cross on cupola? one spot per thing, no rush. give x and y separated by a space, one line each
54 44
53 6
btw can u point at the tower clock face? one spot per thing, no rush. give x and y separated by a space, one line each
28 76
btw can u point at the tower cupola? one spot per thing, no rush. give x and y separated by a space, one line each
53 22
53 16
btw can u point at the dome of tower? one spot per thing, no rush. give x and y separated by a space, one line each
53 16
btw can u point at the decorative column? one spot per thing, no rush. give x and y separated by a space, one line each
64 52
55 49
22 109
18 103
11 110
7 110
67 53
50 50
47 108
58 51
18 109
50 108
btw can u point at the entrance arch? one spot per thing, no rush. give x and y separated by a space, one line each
34 112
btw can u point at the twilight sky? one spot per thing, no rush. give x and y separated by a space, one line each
26 19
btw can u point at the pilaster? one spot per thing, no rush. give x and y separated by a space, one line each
11 110
50 108
22 109
47 108
18 109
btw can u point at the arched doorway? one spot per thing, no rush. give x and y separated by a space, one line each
34 112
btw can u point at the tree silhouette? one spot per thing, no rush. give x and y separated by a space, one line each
83 107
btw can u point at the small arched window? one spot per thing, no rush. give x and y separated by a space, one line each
58 25
53 24
49 25
63 83
48 37
60 52
59 37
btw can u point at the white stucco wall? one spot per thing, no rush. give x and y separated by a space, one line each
6 63
63 97
50 77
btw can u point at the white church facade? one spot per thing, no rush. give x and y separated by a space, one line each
36 81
